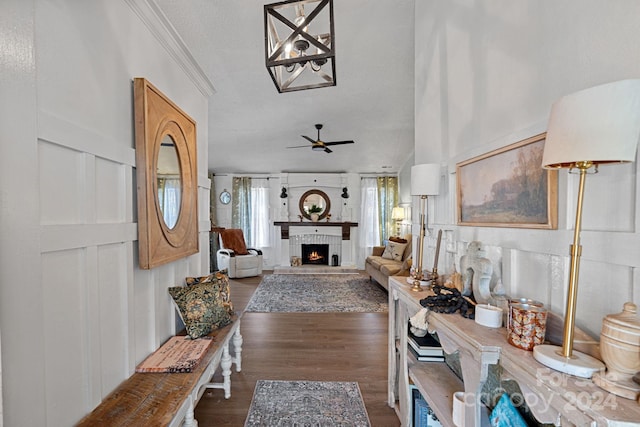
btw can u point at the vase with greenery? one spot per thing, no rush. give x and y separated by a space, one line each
314 212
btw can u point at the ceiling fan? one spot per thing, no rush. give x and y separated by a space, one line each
319 145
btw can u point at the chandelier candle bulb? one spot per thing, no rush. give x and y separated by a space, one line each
488 315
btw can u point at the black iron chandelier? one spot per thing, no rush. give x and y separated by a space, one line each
299 44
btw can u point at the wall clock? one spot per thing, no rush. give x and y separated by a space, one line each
225 197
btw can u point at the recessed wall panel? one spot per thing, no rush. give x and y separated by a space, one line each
602 289
112 284
61 184
609 199
110 191
532 276
63 287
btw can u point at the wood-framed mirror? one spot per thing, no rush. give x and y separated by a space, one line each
316 198
166 172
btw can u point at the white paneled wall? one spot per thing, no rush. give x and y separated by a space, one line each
487 78
82 313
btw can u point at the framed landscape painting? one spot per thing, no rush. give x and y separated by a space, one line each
508 188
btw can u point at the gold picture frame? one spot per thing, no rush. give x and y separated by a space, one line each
508 187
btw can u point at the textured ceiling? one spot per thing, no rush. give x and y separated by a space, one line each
251 124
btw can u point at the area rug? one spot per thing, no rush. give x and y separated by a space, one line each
304 293
307 403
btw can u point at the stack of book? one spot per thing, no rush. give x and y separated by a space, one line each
426 348
423 415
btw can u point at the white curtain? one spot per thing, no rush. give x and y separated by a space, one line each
369 218
169 198
260 230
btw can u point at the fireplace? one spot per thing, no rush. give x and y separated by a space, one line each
315 254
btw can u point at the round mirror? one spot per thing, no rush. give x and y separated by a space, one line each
169 181
314 201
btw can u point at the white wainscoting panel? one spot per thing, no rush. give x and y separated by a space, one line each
110 191
602 289
114 313
62 180
532 276
64 288
609 199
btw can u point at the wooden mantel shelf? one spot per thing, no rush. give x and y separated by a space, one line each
346 227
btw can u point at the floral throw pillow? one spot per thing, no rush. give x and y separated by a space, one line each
394 251
200 308
225 290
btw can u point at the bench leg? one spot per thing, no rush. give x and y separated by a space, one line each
225 364
189 418
237 347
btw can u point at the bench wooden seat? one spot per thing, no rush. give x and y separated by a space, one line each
169 399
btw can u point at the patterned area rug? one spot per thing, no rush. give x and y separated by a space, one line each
290 293
307 403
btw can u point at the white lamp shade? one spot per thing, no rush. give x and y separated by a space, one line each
600 124
397 213
425 179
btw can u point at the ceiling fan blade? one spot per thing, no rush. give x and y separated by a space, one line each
339 142
326 150
308 139
299 146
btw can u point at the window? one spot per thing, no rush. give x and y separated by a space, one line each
260 231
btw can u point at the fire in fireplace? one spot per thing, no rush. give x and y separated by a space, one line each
315 254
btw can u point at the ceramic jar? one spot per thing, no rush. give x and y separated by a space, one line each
620 343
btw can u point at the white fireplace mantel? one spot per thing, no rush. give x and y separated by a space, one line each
345 227
295 233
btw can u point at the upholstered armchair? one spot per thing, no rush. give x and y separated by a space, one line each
235 257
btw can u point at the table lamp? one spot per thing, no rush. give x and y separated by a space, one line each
397 214
425 181
595 126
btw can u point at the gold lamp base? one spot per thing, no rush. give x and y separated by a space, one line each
564 359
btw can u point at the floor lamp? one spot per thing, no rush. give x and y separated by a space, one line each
595 126
425 181
397 214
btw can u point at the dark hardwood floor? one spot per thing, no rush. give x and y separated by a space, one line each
303 346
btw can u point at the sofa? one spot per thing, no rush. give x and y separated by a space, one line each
393 259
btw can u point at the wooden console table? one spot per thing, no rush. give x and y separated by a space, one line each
553 397
346 227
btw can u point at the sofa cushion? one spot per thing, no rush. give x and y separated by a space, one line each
407 250
378 262
390 269
377 250
394 251
375 261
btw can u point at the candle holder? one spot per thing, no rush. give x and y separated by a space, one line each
434 272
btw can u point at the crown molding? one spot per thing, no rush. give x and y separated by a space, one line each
156 21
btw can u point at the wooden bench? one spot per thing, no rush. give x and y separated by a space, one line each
169 399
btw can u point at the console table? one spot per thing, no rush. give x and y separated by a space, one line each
553 397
